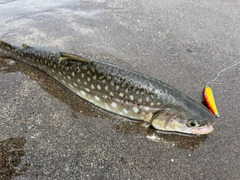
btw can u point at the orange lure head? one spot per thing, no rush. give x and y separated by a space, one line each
209 99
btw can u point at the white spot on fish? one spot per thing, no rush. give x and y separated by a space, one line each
73 74
125 111
98 86
111 93
152 104
75 84
92 86
106 88
131 97
59 73
82 75
109 77
88 79
147 108
94 77
68 77
53 71
105 96
83 92
93 70
135 109
78 80
71 86
121 94
64 82
147 99
97 98
117 87
113 104
85 82
88 90
140 100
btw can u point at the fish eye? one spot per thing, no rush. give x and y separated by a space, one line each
192 123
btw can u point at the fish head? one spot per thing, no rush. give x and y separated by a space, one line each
180 120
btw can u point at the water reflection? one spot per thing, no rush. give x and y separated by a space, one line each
11 152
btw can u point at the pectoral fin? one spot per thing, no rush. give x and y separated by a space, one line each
67 56
148 117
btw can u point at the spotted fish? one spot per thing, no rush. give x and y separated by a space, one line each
118 90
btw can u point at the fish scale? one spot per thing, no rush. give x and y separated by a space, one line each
115 89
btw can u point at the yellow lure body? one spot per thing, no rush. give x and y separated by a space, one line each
209 99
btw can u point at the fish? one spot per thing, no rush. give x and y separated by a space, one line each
118 90
210 101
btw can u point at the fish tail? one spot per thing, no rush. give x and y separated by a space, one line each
2 54
5 48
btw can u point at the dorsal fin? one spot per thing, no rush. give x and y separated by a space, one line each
65 56
25 46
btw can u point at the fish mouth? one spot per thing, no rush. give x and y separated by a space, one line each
202 130
193 132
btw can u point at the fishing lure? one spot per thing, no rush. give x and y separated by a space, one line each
209 99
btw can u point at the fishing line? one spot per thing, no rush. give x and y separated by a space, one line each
221 72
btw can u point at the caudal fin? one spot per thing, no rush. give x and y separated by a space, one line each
5 48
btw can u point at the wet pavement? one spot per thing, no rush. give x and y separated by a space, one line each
49 133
